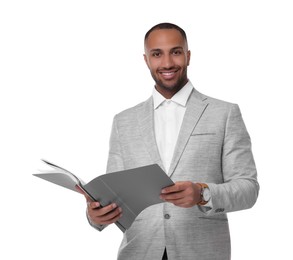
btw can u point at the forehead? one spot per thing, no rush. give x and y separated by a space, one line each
165 38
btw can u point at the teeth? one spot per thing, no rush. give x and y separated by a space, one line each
167 73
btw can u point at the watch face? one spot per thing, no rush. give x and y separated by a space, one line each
206 194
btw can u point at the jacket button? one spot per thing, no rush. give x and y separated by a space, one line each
166 216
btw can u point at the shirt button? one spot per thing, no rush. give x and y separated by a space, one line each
166 216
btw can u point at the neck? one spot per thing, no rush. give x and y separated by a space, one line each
168 93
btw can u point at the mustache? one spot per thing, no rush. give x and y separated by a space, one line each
169 68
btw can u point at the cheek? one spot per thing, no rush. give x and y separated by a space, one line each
153 65
182 62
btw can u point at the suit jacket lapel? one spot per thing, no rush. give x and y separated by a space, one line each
146 123
145 114
195 108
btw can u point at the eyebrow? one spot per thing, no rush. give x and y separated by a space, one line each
172 49
155 50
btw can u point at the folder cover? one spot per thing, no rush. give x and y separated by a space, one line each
133 190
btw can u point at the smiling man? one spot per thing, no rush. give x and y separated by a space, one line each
167 57
200 142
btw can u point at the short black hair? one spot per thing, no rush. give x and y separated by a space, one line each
166 26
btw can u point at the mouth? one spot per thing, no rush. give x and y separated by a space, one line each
168 75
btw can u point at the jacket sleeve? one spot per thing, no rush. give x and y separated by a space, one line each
240 187
115 159
115 162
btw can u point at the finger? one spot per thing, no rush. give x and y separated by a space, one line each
113 220
178 186
98 212
172 196
185 202
110 217
180 203
93 204
177 201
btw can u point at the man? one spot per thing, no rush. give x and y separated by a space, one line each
200 142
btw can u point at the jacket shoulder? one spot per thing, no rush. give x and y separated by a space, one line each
131 113
211 100
217 107
219 103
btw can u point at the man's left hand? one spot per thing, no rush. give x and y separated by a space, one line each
184 194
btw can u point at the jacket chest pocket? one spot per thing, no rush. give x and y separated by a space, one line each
204 144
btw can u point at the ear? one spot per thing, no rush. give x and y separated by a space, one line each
188 57
146 60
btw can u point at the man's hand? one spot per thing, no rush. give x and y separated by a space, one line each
101 216
184 194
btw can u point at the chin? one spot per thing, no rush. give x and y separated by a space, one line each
172 87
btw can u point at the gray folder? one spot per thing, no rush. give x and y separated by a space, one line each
133 190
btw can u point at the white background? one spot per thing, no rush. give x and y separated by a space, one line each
67 67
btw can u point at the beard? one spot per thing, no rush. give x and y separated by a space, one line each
176 86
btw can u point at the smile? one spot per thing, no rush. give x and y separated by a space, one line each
168 74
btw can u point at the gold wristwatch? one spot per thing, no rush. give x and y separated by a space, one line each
205 194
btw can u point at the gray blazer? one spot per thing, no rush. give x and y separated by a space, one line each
213 147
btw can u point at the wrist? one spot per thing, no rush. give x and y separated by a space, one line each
204 193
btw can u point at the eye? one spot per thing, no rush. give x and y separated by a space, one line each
177 52
156 54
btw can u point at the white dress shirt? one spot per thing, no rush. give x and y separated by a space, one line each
168 117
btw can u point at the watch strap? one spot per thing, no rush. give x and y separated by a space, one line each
202 186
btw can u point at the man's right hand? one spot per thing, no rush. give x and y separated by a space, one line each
101 216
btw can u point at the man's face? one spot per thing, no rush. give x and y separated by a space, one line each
167 57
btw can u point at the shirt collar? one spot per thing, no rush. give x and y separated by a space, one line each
180 97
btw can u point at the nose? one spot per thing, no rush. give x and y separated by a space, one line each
167 61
